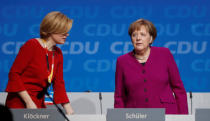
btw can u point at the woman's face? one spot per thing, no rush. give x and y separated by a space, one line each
59 38
141 39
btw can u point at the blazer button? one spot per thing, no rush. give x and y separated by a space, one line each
145 90
143 71
146 100
145 80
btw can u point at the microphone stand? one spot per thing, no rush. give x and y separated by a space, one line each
58 108
100 98
191 102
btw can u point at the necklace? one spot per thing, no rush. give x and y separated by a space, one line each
50 73
140 58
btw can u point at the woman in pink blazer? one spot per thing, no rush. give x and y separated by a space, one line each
148 77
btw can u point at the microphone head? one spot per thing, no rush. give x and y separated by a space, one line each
100 96
88 91
43 92
190 94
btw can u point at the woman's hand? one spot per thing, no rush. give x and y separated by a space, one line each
27 99
31 105
69 110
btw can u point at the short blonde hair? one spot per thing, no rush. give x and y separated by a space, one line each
55 23
136 25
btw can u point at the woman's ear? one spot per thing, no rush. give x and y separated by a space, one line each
151 40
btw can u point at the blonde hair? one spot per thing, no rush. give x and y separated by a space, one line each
142 22
55 23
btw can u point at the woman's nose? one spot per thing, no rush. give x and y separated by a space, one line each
138 37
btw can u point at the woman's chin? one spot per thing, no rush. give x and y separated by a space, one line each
61 42
139 48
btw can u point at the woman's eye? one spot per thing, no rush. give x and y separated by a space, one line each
134 35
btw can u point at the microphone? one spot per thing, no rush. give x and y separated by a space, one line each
100 98
88 91
191 102
58 108
43 92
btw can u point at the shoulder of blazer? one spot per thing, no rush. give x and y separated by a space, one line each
124 57
160 49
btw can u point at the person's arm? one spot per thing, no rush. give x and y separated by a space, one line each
60 96
15 83
119 87
27 99
67 107
24 57
177 85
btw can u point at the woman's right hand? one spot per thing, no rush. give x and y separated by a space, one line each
27 99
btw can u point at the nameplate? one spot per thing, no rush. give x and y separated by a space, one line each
136 114
202 115
36 115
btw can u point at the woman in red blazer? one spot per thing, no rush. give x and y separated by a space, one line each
148 77
39 63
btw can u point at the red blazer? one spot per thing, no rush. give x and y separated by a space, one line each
157 84
29 72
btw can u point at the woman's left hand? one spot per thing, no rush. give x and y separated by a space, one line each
69 110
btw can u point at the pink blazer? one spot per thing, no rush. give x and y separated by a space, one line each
157 84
